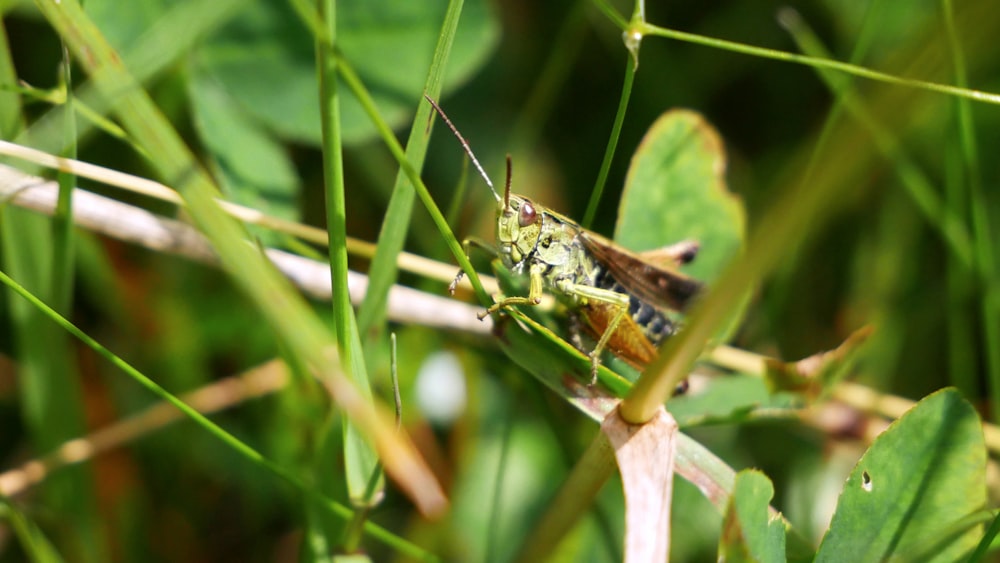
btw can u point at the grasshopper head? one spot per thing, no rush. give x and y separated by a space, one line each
518 226
518 222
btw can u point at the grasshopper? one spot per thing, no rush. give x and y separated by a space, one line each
624 299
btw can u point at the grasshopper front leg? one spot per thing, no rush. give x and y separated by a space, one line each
618 301
467 245
534 293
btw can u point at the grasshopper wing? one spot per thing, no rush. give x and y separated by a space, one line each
660 287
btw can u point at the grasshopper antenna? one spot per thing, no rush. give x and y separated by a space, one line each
506 187
468 150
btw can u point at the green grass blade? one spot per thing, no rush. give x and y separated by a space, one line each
355 84
359 458
11 120
50 392
961 177
918 186
983 245
383 272
611 14
33 541
981 551
538 105
609 152
62 220
855 70
311 494
946 215
40 252
286 312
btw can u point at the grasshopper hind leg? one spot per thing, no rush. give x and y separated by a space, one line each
617 302
589 348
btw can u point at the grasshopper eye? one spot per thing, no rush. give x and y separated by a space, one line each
527 215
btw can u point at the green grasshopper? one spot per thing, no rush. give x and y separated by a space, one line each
624 299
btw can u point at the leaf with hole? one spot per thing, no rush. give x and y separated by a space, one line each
926 472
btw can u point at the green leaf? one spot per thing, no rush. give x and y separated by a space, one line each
122 23
725 400
676 190
253 168
749 533
924 473
264 59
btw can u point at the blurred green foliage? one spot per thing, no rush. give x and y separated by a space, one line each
541 81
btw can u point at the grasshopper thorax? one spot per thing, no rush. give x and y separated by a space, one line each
519 226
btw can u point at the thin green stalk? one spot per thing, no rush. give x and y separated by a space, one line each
360 459
283 309
947 215
62 219
611 13
314 21
982 240
333 174
565 436
11 119
458 199
609 151
33 542
986 542
639 11
496 497
374 491
960 280
961 172
384 271
792 22
917 185
774 54
572 500
357 87
538 106
251 455
36 250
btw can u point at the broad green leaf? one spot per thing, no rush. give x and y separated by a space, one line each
726 400
676 190
253 167
926 472
749 532
123 22
265 60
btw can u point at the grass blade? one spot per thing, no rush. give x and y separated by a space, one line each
383 272
359 458
311 495
285 311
